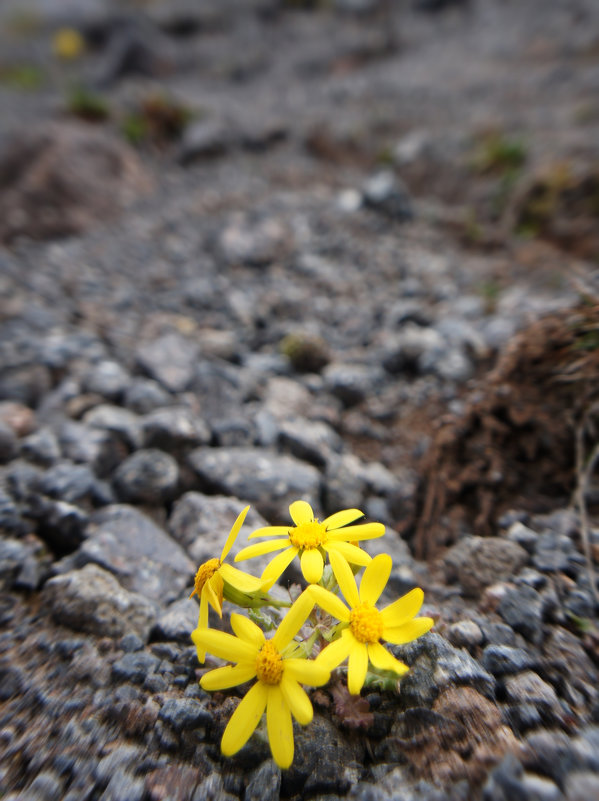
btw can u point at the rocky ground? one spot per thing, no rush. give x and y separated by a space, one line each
259 251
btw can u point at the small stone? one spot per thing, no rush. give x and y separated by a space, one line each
522 608
529 688
478 562
177 621
386 193
18 417
313 442
269 481
124 786
143 395
94 447
67 482
264 783
352 383
523 535
502 659
134 667
45 787
107 379
174 429
170 359
184 713
41 447
118 421
147 476
465 634
92 600
582 786
9 446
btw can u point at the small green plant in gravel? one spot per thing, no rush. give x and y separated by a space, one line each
88 105
22 77
333 619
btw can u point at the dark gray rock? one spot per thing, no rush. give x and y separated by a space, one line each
67 482
465 634
185 713
264 783
174 429
45 787
311 441
143 395
550 753
116 420
477 562
556 552
92 600
61 525
12 681
177 621
41 447
436 665
123 757
28 383
148 476
508 782
171 359
498 633
134 667
212 789
385 192
352 383
95 447
123 786
522 608
9 444
529 688
501 660
13 554
10 517
134 548
270 481
108 379
523 535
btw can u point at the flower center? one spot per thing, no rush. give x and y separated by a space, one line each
366 623
205 572
269 665
308 535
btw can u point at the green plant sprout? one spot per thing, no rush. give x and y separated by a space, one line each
332 619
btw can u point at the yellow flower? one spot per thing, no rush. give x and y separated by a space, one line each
213 576
360 640
68 43
310 539
278 675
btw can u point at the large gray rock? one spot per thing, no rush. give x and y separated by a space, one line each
92 600
270 481
145 559
478 562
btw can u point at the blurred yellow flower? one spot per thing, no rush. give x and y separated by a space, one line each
360 640
68 44
311 539
279 674
213 576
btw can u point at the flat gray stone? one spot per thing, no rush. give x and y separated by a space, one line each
92 600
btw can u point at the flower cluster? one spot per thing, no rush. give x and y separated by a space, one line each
281 664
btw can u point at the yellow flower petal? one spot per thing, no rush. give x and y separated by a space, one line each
357 666
260 548
301 512
306 671
247 630
225 646
383 660
270 531
279 727
365 531
277 565
329 602
375 578
399 635
244 720
240 580
350 552
233 533
404 609
202 624
312 565
343 518
229 676
335 653
293 621
296 699
345 578
213 592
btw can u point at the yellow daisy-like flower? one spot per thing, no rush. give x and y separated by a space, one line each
360 641
311 539
278 675
213 575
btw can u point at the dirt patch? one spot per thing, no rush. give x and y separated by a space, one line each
514 446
